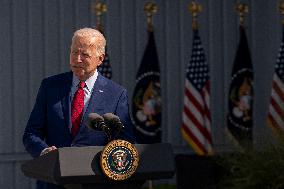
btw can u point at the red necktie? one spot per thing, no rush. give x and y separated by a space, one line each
77 108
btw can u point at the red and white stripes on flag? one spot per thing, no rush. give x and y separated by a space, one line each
196 118
276 107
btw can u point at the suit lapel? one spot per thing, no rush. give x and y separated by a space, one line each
96 103
65 92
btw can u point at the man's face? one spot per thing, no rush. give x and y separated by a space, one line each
84 59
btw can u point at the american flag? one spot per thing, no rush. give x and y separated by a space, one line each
276 107
196 118
105 67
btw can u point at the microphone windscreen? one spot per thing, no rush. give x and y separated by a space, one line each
95 117
112 120
111 117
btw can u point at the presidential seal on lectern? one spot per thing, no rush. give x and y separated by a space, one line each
119 160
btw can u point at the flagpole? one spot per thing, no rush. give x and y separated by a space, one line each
150 9
242 9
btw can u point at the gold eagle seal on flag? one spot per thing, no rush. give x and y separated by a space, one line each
241 98
119 160
147 104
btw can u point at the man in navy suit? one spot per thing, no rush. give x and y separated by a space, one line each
51 124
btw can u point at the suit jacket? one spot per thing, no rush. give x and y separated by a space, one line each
49 123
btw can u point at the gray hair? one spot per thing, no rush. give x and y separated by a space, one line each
97 39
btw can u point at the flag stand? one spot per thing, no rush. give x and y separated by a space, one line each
150 182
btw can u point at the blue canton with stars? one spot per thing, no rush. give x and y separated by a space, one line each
279 67
105 68
197 71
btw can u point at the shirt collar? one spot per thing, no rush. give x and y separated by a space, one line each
89 82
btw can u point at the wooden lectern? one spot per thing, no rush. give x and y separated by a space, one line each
79 167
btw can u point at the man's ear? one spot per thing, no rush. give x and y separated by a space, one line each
101 58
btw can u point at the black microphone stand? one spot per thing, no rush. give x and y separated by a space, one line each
107 132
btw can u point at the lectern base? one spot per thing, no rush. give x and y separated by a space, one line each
136 185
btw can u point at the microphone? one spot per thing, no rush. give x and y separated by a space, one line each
96 122
113 121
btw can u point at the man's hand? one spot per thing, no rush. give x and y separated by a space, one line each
46 150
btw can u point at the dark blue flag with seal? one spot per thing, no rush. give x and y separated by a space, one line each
146 101
240 113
